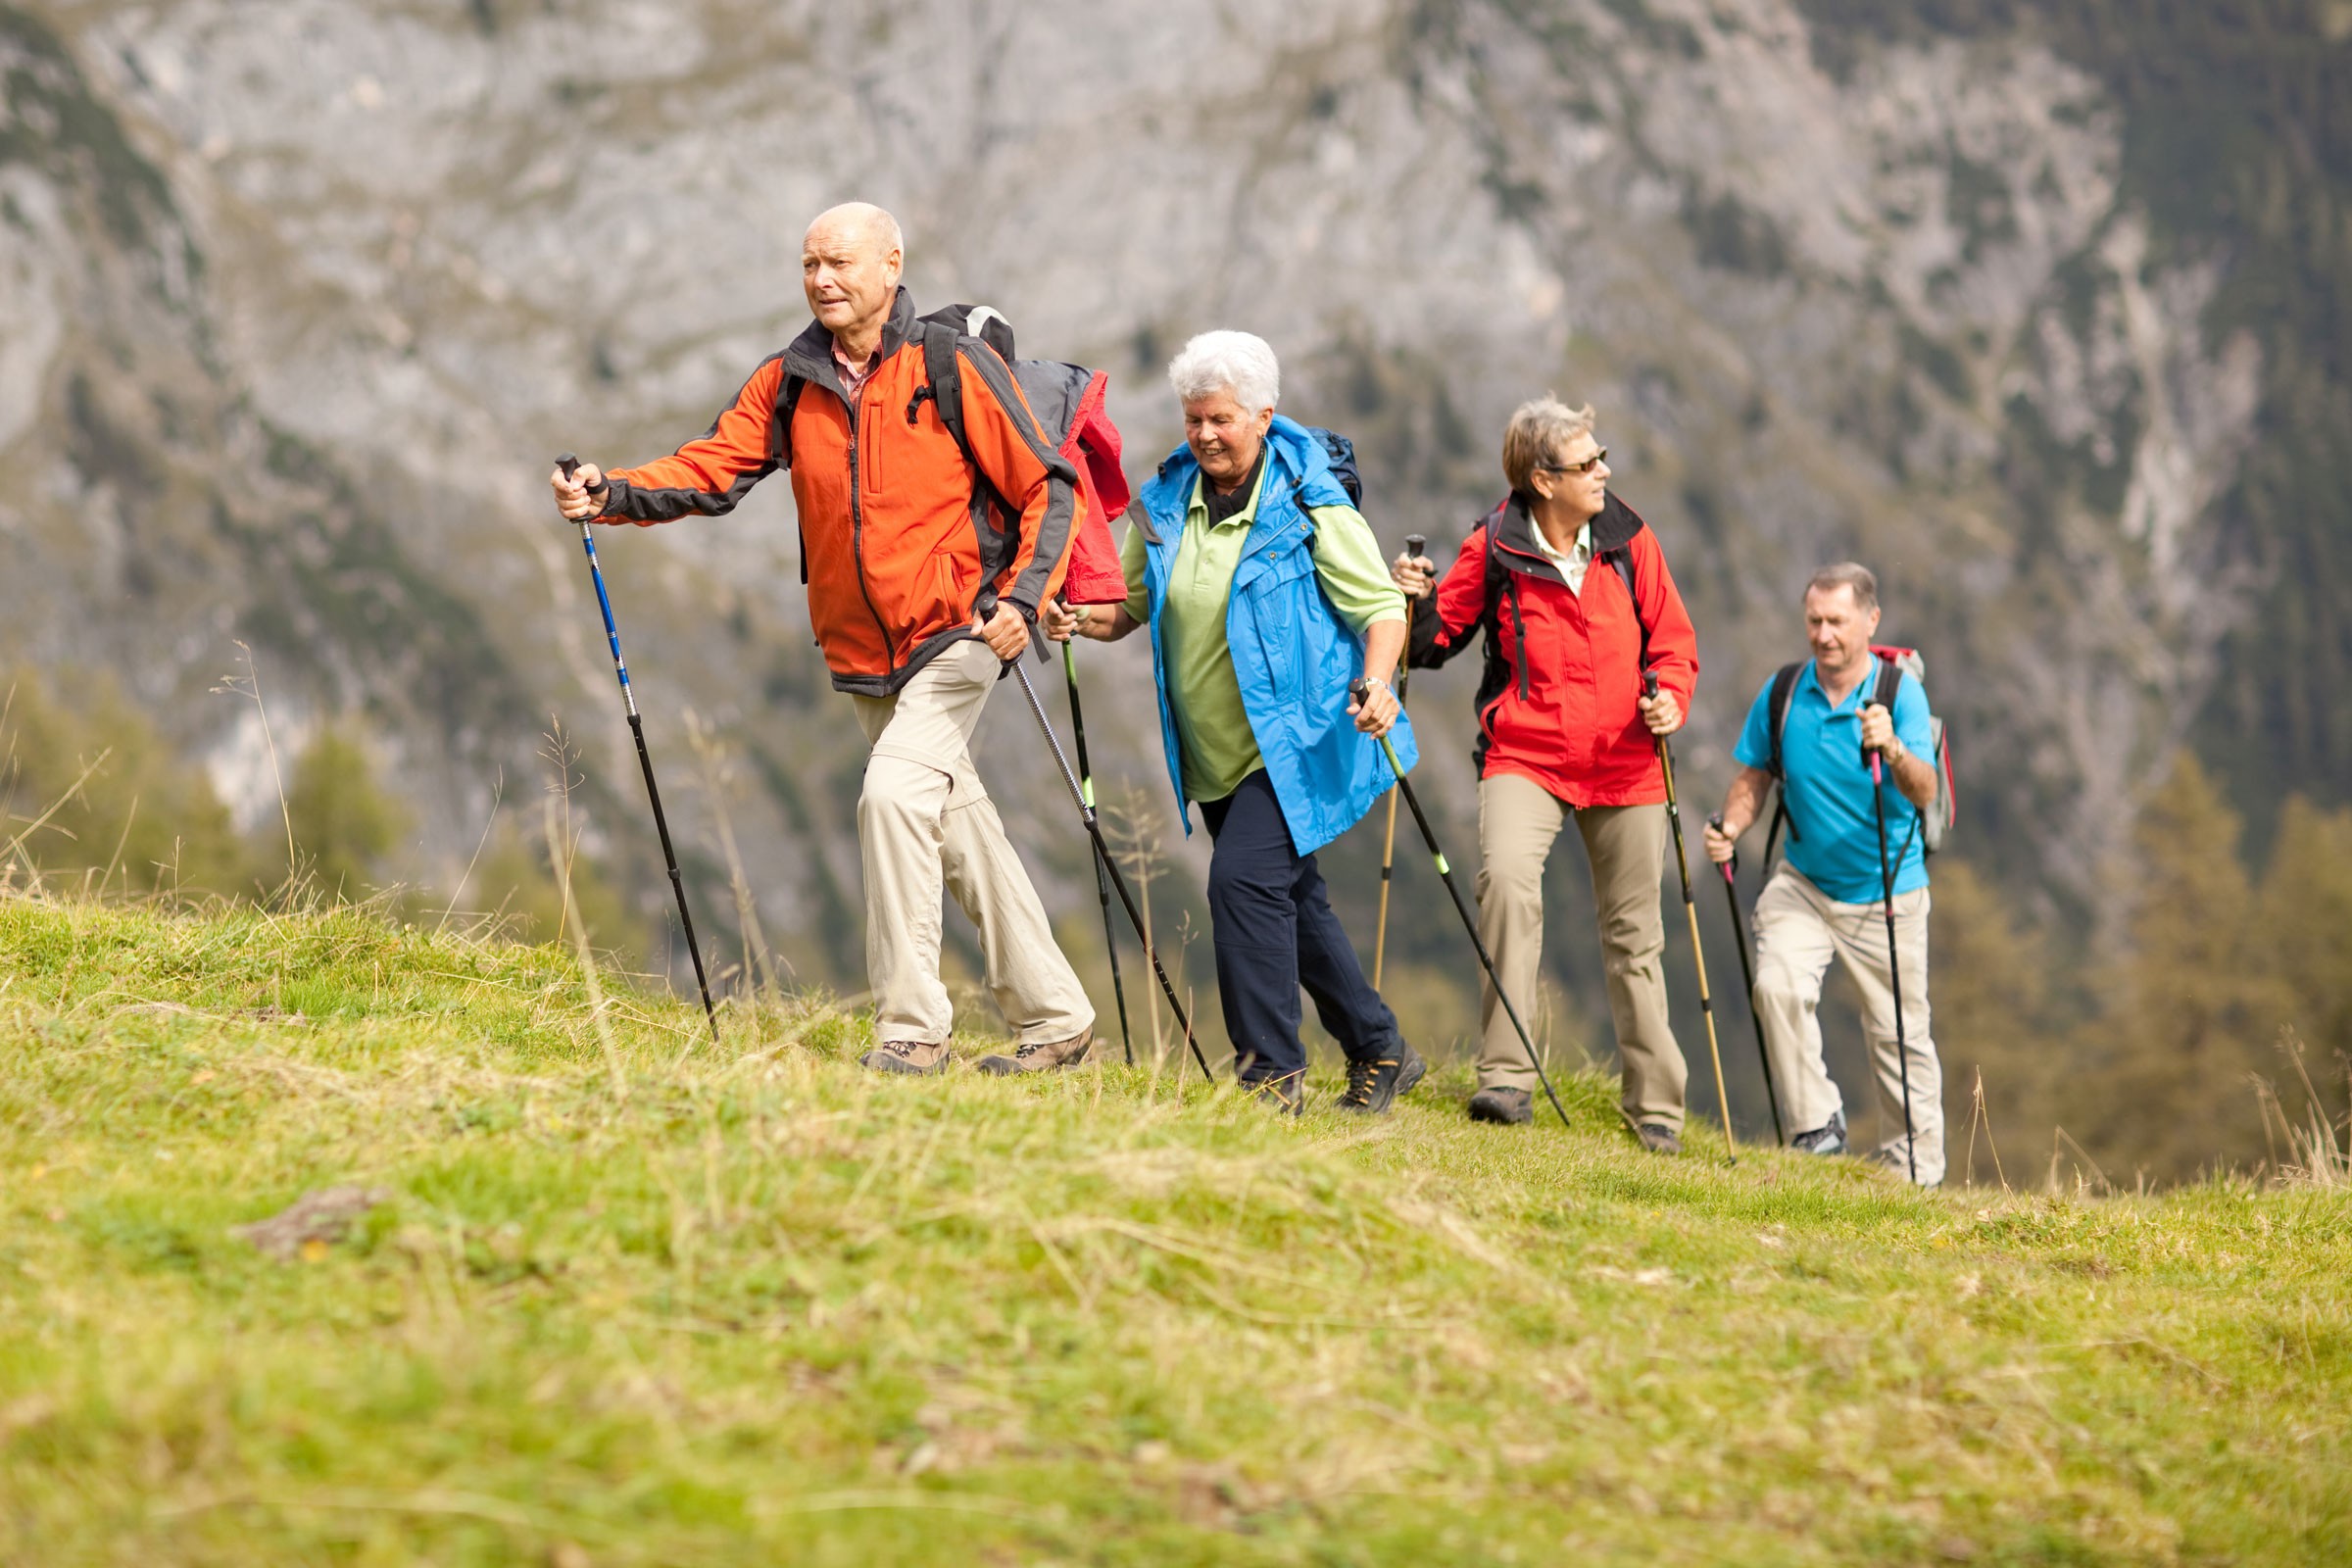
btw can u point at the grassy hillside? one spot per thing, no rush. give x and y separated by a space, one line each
628 1299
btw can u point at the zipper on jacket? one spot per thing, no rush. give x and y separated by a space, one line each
890 651
1519 621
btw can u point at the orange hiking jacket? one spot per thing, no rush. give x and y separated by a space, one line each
902 542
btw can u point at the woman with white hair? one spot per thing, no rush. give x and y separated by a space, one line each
1571 597
1267 599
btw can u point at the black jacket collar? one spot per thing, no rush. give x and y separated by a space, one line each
1513 527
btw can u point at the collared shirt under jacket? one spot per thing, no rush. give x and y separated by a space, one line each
901 544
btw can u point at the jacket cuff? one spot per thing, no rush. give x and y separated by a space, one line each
1421 640
616 498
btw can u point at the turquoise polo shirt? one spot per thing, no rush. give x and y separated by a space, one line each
1834 841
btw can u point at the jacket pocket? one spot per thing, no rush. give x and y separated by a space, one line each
1278 597
951 599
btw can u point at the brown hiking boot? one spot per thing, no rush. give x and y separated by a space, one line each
917 1057
1041 1055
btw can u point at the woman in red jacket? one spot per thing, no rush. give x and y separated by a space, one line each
1572 592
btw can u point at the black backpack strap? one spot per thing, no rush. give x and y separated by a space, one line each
1501 583
1622 558
943 379
779 446
1775 716
1891 681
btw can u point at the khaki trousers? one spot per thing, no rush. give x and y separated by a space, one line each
1800 929
924 819
1517 822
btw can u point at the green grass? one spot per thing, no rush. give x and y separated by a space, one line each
772 1308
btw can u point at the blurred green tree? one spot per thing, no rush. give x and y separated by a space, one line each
92 794
343 821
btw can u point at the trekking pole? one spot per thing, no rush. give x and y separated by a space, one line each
1462 907
1086 783
1414 544
603 600
1104 861
1698 959
1748 973
1894 962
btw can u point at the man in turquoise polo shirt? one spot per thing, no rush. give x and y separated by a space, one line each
1827 899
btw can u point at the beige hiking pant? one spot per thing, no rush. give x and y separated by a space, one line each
1800 929
1517 822
924 818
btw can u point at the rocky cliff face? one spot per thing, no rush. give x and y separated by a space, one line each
301 297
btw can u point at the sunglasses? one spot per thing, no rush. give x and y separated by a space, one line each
1586 466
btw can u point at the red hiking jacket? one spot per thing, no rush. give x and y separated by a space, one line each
899 543
1563 672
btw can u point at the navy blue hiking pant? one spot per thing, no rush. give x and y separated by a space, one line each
1274 933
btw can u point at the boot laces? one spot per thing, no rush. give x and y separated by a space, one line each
1361 1075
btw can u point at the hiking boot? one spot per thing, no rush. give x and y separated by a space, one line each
1658 1138
1507 1106
1287 1097
917 1057
1829 1139
1892 1160
1041 1055
1373 1085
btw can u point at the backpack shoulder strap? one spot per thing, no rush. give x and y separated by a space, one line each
943 376
1776 711
1891 681
779 443
1622 558
1775 718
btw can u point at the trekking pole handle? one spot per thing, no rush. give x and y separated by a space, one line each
1650 683
570 464
1731 868
1416 545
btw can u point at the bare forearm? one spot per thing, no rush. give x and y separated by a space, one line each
1915 776
1384 645
1743 802
1109 629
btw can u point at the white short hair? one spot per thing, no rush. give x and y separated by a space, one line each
1239 362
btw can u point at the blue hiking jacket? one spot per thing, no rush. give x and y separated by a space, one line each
1293 654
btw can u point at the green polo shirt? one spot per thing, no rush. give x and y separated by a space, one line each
1212 730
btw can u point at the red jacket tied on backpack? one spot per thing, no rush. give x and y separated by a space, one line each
1556 703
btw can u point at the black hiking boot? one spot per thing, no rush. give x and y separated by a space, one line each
1373 1085
1507 1106
1829 1139
1285 1097
1658 1138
